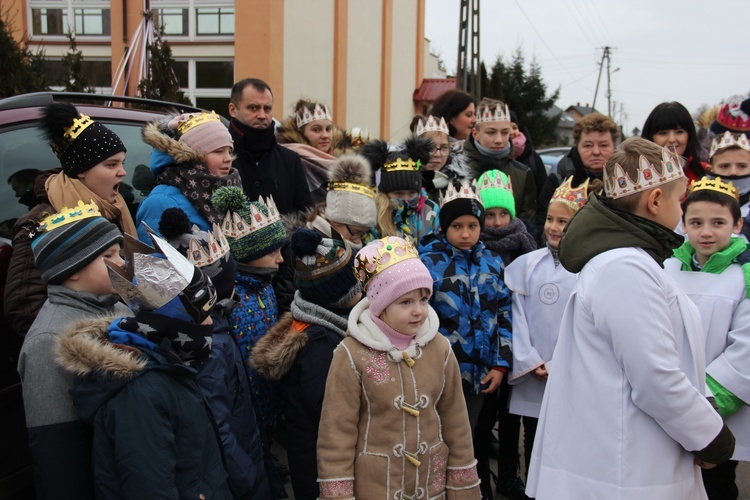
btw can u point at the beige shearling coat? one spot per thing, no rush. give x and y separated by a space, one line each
394 424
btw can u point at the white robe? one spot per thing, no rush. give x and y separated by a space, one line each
624 404
540 293
725 312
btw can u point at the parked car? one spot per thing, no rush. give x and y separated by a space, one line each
22 146
551 157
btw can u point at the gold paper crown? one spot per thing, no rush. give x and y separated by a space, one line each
432 125
236 227
319 113
81 123
467 190
568 196
727 140
68 215
217 247
352 187
380 255
496 183
359 137
408 165
197 119
500 114
647 176
715 184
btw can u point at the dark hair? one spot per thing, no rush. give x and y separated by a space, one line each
673 115
450 104
725 200
415 122
239 87
25 176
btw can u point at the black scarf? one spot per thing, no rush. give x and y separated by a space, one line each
256 141
197 183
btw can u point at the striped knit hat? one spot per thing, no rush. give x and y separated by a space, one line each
63 251
324 269
254 230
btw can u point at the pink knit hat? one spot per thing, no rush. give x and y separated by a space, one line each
388 268
203 132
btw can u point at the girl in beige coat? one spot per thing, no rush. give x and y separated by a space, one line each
394 421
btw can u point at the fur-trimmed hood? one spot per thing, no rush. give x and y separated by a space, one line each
457 166
274 354
157 135
298 220
287 133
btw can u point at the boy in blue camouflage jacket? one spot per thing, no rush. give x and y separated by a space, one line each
471 300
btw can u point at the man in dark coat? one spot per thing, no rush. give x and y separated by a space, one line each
266 168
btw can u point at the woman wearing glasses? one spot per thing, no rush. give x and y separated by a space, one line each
446 163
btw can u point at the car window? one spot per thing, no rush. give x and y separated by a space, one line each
25 148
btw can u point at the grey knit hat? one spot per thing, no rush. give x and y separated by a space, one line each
63 251
350 199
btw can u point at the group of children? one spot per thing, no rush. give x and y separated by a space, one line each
176 394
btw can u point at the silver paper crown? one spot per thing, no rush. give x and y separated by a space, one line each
727 140
467 190
319 113
218 247
487 115
236 227
149 281
647 176
431 125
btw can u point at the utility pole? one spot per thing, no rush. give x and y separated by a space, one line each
605 55
609 86
468 77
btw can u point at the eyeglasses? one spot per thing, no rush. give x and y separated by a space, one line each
444 150
355 234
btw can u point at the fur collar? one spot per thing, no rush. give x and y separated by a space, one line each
457 166
275 352
156 135
84 348
364 329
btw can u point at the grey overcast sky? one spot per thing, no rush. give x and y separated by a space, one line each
691 51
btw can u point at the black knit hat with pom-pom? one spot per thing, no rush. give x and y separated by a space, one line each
324 269
79 142
175 227
405 175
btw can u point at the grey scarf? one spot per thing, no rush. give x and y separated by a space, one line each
308 312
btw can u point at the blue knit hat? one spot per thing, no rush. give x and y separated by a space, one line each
253 229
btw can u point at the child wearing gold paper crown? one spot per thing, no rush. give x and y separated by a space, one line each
394 422
541 288
713 268
624 414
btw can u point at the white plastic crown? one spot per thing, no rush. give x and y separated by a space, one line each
467 190
319 113
432 125
487 115
236 227
497 183
648 176
727 141
217 248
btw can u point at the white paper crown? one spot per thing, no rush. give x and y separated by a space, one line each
236 227
149 281
496 183
218 247
467 190
319 113
727 141
487 115
647 176
432 125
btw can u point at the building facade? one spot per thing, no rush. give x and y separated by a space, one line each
364 58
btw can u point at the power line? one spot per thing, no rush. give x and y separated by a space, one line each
583 30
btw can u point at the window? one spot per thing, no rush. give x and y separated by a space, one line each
98 73
214 21
207 83
176 21
57 17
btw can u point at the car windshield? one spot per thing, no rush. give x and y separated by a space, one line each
25 148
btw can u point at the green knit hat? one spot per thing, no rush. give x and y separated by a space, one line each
253 228
495 191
